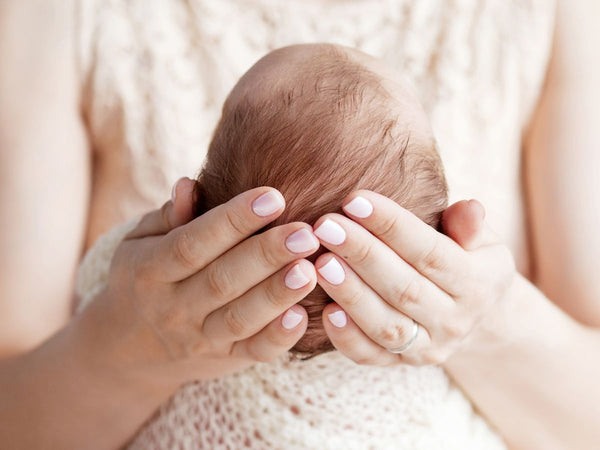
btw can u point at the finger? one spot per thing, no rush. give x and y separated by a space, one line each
384 324
246 265
190 247
396 281
433 254
175 212
464 222
275 339
249 313
347 337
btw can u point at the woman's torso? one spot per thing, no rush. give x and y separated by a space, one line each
155 76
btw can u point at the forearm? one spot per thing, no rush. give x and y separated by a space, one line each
69 393
533 373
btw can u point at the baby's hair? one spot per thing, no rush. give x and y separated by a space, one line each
333 130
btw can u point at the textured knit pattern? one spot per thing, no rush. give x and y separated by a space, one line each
155 74
327 402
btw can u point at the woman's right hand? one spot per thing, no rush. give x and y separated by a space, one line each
202 300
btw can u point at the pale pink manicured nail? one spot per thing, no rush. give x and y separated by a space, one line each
295 278
333 272
267 204
331 232
290 319
174 190
301 241
338 318
359 207
478 207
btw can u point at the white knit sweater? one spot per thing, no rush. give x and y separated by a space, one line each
327 402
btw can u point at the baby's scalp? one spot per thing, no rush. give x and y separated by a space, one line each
318 121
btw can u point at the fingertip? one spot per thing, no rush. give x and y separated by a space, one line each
334 315
180 187
268 202
461 220
182 200
323 259
300 274
358 206
325 217
293 318
357 193
329 308
330 269
477 209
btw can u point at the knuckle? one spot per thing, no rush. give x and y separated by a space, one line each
275 296
386 227
362 255
236 222
219 283
431 262
351 299
234 322
409 294
183 249
266 252
393 335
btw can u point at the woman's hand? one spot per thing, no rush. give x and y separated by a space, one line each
202 300
388 268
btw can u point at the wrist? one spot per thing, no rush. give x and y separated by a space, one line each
112 344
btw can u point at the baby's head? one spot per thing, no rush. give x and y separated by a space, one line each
317 122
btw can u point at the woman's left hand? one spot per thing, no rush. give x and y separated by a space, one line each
387 268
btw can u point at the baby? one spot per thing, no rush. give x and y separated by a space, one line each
318 121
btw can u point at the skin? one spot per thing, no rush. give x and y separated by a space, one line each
511 362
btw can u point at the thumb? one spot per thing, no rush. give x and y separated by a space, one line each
182 198
173 213
464 222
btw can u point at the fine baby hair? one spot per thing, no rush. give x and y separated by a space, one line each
316 122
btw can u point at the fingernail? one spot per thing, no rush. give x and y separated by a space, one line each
333 272
290 319
174 190
331 232
295 278
301 241
267 204
478 207
359 207
338 318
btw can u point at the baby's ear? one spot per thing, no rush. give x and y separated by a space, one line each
199 198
